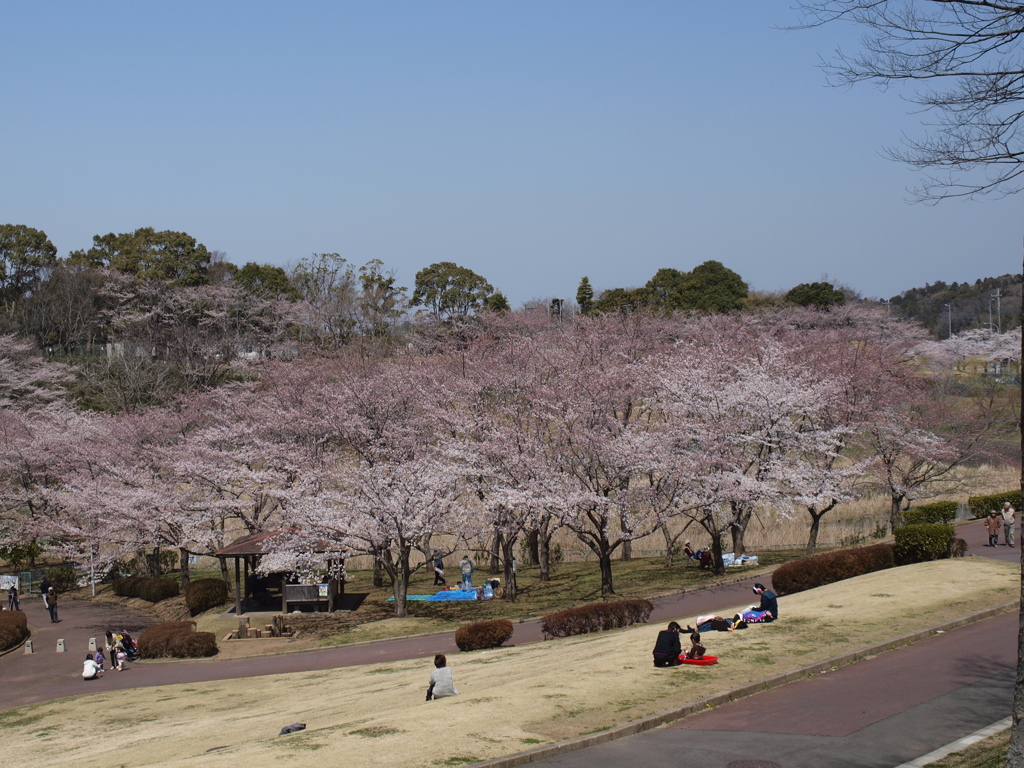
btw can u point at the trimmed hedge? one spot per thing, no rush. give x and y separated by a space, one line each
62 579
203 594
153 590
483 634
937 512
982 505
925 541
13 628
178 639
596 617
828 567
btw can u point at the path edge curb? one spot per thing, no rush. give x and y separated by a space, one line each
715 700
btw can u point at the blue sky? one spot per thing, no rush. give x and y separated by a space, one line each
533 142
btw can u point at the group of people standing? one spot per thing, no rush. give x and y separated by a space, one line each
1005 520
118 648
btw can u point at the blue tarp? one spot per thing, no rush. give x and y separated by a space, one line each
447 594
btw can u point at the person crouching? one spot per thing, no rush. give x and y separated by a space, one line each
667 647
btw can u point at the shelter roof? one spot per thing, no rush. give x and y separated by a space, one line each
261 544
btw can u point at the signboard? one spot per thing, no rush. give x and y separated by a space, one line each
6 582
193 559
322 591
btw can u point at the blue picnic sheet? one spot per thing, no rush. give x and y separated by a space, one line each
447 594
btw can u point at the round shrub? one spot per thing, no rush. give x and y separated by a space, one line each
923 542
13 628
483 634
828 567
62 578
178 639
203 594
596 617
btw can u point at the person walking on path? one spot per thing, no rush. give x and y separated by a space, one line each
466 566
12 599
992 523
51 604
1008 521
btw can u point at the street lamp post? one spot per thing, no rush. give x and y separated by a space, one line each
999 315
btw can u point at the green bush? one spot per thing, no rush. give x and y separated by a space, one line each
153 590
936 512
178 639
203 594
13 628
596 617
924 541
483 634
828 567
982 505
62 579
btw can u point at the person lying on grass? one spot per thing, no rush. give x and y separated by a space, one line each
719 624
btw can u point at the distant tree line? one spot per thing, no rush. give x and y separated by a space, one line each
959 307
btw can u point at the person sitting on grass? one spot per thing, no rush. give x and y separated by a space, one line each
768 610
667 647
696 650
90 671
441 683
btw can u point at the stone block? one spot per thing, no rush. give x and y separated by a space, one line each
60 645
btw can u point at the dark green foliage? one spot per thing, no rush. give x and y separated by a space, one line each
713 287
710 287
937 512
13 628
596 617
621 300
828 567
922 542
25 255
153 590
585 296
820 295
982 505
497 302
149 255
483 634
203 594
62 578
450 291
18 555
178 639
266 280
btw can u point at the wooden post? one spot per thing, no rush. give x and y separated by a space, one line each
238 590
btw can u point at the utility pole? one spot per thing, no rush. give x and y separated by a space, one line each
999 314
888 307
949 315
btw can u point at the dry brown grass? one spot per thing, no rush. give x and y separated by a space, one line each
512 698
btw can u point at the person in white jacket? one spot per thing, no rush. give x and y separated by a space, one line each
441 684
90 671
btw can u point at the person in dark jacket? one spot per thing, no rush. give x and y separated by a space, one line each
667 648
767 610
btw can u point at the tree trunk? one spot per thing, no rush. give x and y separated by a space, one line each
669 543
157 570
717 566
496 549
741 519
533 543
627 545
224 574
183 566
399 573
1015 757
544 552
508 551
812 537
895 516
605 560
378 573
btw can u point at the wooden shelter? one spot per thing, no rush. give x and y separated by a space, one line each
246 552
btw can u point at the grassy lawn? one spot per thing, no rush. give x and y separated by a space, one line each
510 699
571 584
987 753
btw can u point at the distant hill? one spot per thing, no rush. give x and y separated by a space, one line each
968 304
